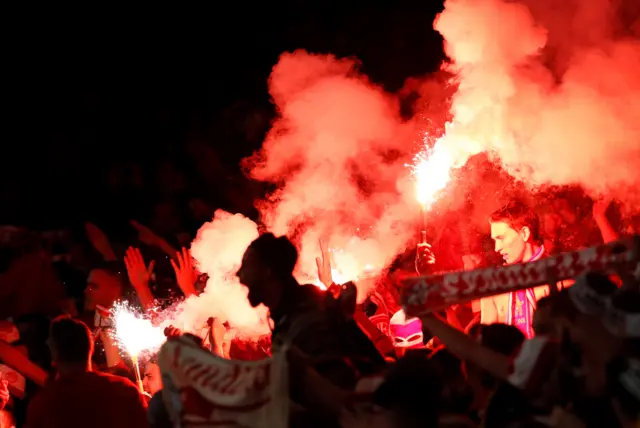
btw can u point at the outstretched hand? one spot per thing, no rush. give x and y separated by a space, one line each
172 331
139 273
185 273
324 265
424 258
145 234
99 241
426 253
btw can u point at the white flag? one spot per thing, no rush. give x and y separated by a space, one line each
202 389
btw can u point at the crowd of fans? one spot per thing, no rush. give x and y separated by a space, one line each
351 365
576 362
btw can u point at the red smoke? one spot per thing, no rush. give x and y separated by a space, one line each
218 251
337 150
551 95
548 90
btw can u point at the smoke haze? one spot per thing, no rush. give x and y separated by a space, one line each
552 96
547 90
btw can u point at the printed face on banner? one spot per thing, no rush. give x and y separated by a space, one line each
509 243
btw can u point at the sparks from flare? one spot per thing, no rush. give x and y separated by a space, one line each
432 171
134 333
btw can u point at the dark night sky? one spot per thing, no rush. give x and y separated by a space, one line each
87 87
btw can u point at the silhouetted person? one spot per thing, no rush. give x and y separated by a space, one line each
302 315
80 397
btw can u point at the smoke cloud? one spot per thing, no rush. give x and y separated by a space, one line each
548 92
218 250
337 152
551 92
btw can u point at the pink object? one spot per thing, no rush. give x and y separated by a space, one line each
406 332
522 303
520 311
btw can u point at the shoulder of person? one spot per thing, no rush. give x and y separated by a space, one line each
37 401
116 381
308 299
37 409
304 323
312 292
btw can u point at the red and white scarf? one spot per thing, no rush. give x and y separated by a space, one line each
522 304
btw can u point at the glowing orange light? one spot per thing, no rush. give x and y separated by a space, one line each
432 171
134 333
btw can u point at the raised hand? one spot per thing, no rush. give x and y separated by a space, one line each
324 266
172 331
145 234
186 275
139 273
139 276
425 258
100 241
426 252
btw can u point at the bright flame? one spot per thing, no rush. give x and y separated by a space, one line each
431 169
134 333
337 276
346 264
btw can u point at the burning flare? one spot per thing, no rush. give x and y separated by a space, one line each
135 334
432 171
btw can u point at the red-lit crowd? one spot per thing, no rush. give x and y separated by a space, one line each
565 355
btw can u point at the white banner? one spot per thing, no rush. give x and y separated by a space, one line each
204 390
